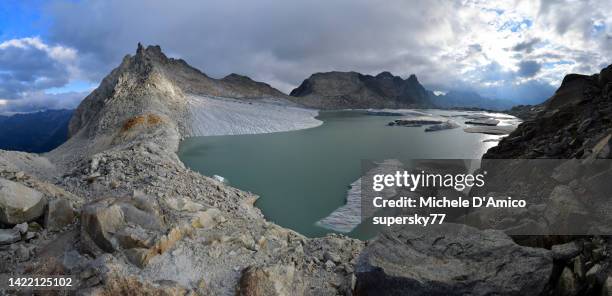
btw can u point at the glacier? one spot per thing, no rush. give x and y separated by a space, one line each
216 116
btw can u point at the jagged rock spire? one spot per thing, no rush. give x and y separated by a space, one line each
151 52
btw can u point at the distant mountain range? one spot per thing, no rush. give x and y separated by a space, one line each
340 90
34 132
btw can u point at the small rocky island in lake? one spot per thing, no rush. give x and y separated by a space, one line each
414 122
442 126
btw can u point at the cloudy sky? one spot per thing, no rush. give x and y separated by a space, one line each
52 53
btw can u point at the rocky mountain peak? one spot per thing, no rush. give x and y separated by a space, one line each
237 77
151 51
385 75
149 56
150 82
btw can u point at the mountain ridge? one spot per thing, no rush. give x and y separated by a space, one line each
342 90
193 80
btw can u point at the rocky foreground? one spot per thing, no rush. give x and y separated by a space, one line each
115 208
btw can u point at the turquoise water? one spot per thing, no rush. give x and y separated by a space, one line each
302 176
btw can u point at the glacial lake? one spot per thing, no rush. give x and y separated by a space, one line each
302 176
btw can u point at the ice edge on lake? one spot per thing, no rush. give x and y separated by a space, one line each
347 217
213 116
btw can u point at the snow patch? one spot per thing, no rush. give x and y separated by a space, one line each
345 218
220 179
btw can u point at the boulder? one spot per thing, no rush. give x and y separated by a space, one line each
450 259
567 284
22 228
139 256
565 213
9 236
566 171
183 204
119 223
566 251
333 257
130 225
208 218
119 284
270 281
59 214
19 203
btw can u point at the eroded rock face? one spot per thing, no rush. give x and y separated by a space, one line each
19 203
451 259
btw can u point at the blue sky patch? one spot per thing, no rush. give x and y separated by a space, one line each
22 19
516 26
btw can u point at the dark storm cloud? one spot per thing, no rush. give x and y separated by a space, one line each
283 42
526 46
276 41
529 68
